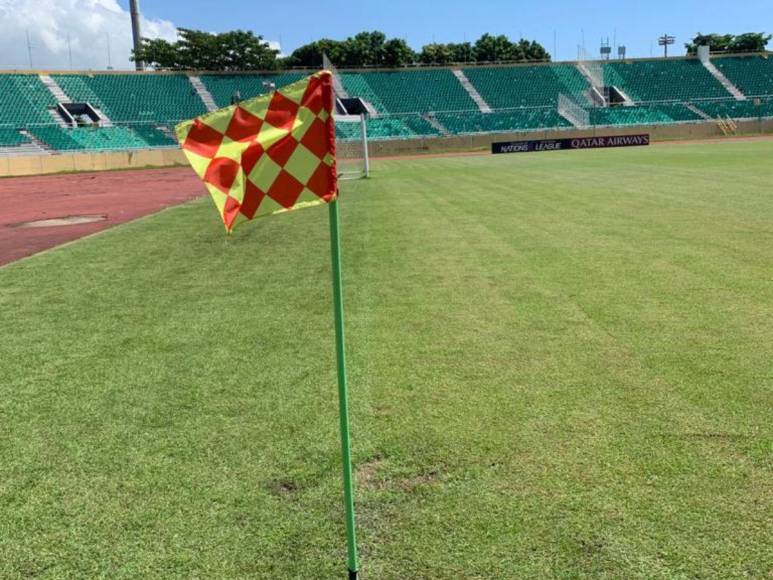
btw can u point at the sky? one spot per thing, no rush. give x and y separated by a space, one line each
94 33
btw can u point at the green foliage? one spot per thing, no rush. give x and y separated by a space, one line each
748 42
197 50
363 49
396 52
490 48
447 53
372 49
242 50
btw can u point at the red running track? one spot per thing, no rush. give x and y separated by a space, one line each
121 196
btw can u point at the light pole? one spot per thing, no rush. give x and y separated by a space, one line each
665 41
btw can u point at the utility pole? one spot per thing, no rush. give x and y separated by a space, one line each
109 64
29 48
134 9
69 49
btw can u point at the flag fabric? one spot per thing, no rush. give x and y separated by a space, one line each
269 154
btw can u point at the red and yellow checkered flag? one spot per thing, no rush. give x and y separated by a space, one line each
269 154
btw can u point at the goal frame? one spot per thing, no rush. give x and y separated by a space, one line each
363 171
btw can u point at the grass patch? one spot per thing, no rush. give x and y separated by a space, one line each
560 367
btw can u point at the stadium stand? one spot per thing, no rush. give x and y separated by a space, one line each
397 127
87 138
153 136
135 98
223 87
24 100
502 121
355 84
11 138
664 80
753 75
642 115
749 109
418 91
140 109
527 86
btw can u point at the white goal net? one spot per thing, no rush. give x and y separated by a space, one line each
573 112
352 147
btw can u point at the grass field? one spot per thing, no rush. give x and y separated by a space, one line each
561 366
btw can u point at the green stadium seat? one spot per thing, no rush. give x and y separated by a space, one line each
643 115
153 136
502 121
752 108
222 87
24 100
413 91
11 137
753 75
380 128
527 85
136 98
664 80
88 138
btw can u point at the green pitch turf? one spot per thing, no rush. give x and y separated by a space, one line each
561 366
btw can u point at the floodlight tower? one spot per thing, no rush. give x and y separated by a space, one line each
134 9
665 41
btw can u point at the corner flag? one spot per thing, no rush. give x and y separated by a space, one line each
271 154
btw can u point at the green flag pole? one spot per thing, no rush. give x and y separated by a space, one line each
343 396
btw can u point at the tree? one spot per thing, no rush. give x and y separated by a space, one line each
490 48
436 54
447 53
197 50
397 53
749 42
716 42
363 49
310 55
462 52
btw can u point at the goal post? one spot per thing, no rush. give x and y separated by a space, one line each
352 155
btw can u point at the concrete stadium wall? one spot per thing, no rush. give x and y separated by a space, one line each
691 131
106 161
100 161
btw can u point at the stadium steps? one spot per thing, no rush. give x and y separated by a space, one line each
472 91
38 147
24 150
627 101
104 120
338 86
731 88
204 93
595 93
57 118
55 89
437 125
697 111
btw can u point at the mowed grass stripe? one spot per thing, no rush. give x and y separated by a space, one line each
560 367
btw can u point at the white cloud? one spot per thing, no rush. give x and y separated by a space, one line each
87 23
276 46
